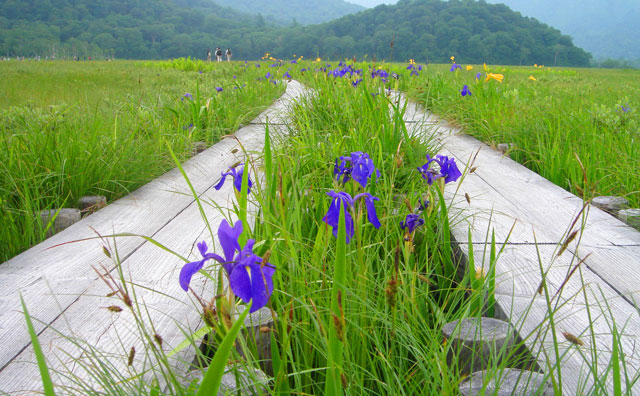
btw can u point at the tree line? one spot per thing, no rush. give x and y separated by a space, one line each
424 30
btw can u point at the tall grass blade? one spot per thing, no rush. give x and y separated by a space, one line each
215 371
334 363
47 384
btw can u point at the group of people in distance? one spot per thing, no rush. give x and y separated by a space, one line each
218 53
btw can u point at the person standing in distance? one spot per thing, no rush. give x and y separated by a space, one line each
228 54
218 54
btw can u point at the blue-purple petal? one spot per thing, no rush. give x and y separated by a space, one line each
221 182
187 271
240 282
228 237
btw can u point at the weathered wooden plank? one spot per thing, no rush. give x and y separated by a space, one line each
163 209
503 193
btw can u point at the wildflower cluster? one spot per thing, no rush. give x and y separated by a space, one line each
359 167
342 70
448 172
415 71
249 276
382 74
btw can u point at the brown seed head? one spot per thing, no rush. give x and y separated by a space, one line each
132 354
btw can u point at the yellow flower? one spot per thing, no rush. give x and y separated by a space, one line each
453 59
532 78
497 77
318 59
469 67
535 65
484 66
411 61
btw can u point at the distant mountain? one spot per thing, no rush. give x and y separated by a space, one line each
434 30
606 28
134 29
372 3
425 30
301 11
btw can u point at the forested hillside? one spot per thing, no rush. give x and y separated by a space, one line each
135 29
300 11
433 30
372 3
425 30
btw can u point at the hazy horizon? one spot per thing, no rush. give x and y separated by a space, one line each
371 3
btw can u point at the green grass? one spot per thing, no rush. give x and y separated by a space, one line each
366 317
565 118
82 128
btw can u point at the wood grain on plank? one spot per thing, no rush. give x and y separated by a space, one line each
75 304
506 197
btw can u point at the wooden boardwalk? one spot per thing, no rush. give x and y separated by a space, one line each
531 218
529 215
64 294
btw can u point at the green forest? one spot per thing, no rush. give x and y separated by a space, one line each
296 11
424 30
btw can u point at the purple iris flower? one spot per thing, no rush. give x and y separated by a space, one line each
219 89
422 205
356 82
287 75
419 67
341 170
383 74
478 76
249 278
465 91
448 168
412 222
257 65
333 214
362 168
455 66
414 72
236 173
188 96
625 109
268 75
428 174
189 269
